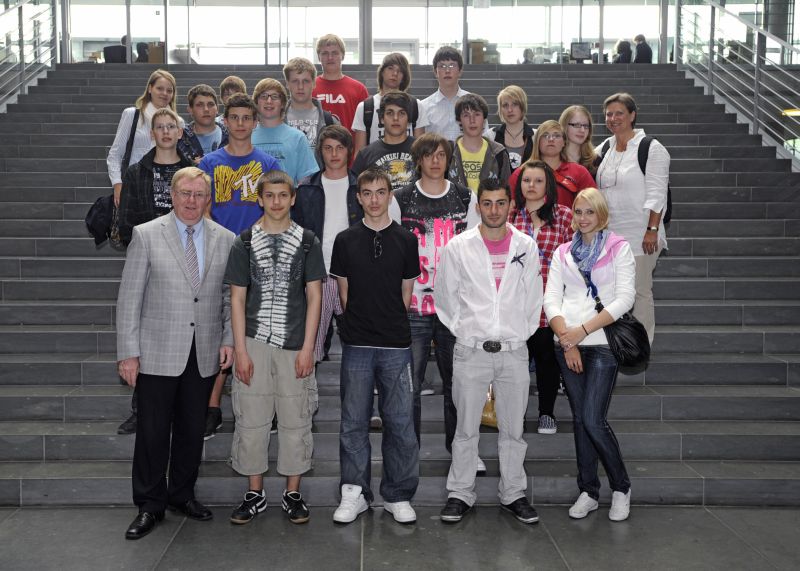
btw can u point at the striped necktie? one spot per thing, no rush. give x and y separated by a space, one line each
191 258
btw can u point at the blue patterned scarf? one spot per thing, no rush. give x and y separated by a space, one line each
585 255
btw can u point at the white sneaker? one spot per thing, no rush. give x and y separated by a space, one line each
582 506
402 511
620 506
352 504
426 392
481 466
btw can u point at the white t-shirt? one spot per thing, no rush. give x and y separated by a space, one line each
376 130
335 214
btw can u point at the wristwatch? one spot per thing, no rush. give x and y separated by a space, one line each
652 228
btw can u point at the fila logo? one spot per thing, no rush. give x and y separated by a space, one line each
330 98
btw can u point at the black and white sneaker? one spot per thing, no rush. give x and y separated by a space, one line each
254 503
454 510
213 422
522 510
295 507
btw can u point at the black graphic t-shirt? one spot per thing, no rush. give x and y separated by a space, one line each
394 159
162 186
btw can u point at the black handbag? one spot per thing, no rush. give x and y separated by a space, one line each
627 337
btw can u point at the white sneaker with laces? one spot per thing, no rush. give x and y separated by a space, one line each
402 511
427 392
582 506
620 506
352 505
481 466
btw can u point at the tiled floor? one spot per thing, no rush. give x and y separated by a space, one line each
654 538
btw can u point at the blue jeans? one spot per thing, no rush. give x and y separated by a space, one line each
589 397
390 369
424 329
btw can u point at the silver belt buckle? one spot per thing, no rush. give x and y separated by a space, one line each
492 346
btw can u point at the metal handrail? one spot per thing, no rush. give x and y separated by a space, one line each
753 27
36 51
740 81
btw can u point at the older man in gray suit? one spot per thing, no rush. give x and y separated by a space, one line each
173 335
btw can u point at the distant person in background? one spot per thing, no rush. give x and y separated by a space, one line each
623 53
642 51
229 87
142 53
527 55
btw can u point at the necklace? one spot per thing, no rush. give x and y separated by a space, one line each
518 133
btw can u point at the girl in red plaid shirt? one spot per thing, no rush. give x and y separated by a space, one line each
538 214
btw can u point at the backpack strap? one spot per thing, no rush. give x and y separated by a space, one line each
308 240
369 113
126 158
328 118
643 153
414 113
247 237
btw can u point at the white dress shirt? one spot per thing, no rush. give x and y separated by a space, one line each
630 194
142 142
468 301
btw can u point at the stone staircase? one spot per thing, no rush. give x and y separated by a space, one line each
715 419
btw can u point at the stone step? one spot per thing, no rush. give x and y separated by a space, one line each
735 194
734 211
65 289
90 369
50 179
44 228
661 402
709 483
58 339
732 288
66 267
59 165
56 247
715 312
641 440
727 339
45 152
786 246
726 228
38 312
722 267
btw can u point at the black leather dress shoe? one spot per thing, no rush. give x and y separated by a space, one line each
193 510
143 524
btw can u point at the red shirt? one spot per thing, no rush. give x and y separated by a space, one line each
571 178
550 237
340 97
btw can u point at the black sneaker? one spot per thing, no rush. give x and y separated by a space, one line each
522 510
254 503
274 428
295 507
213 422
454 510
129 426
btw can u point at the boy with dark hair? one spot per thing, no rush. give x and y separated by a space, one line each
376 263
476 157
204 134
303 111
489 294
230 86
274 271
447 67
288 145
435 210
394 73
234 170
327 204
337 92
392 154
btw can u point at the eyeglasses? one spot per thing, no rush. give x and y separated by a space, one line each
269 96
186 195
446 66
170 127
377 246
579 125
552 136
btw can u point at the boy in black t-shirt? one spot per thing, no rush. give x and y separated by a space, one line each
275 270
376 263
392 154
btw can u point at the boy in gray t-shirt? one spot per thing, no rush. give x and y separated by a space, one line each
304 112
275 270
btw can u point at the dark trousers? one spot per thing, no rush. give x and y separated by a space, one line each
541 349
169 408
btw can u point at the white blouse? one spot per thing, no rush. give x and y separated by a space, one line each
630 194
142 142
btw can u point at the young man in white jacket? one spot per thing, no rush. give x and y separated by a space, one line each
489 294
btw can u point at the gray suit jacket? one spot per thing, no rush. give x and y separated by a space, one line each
158 312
